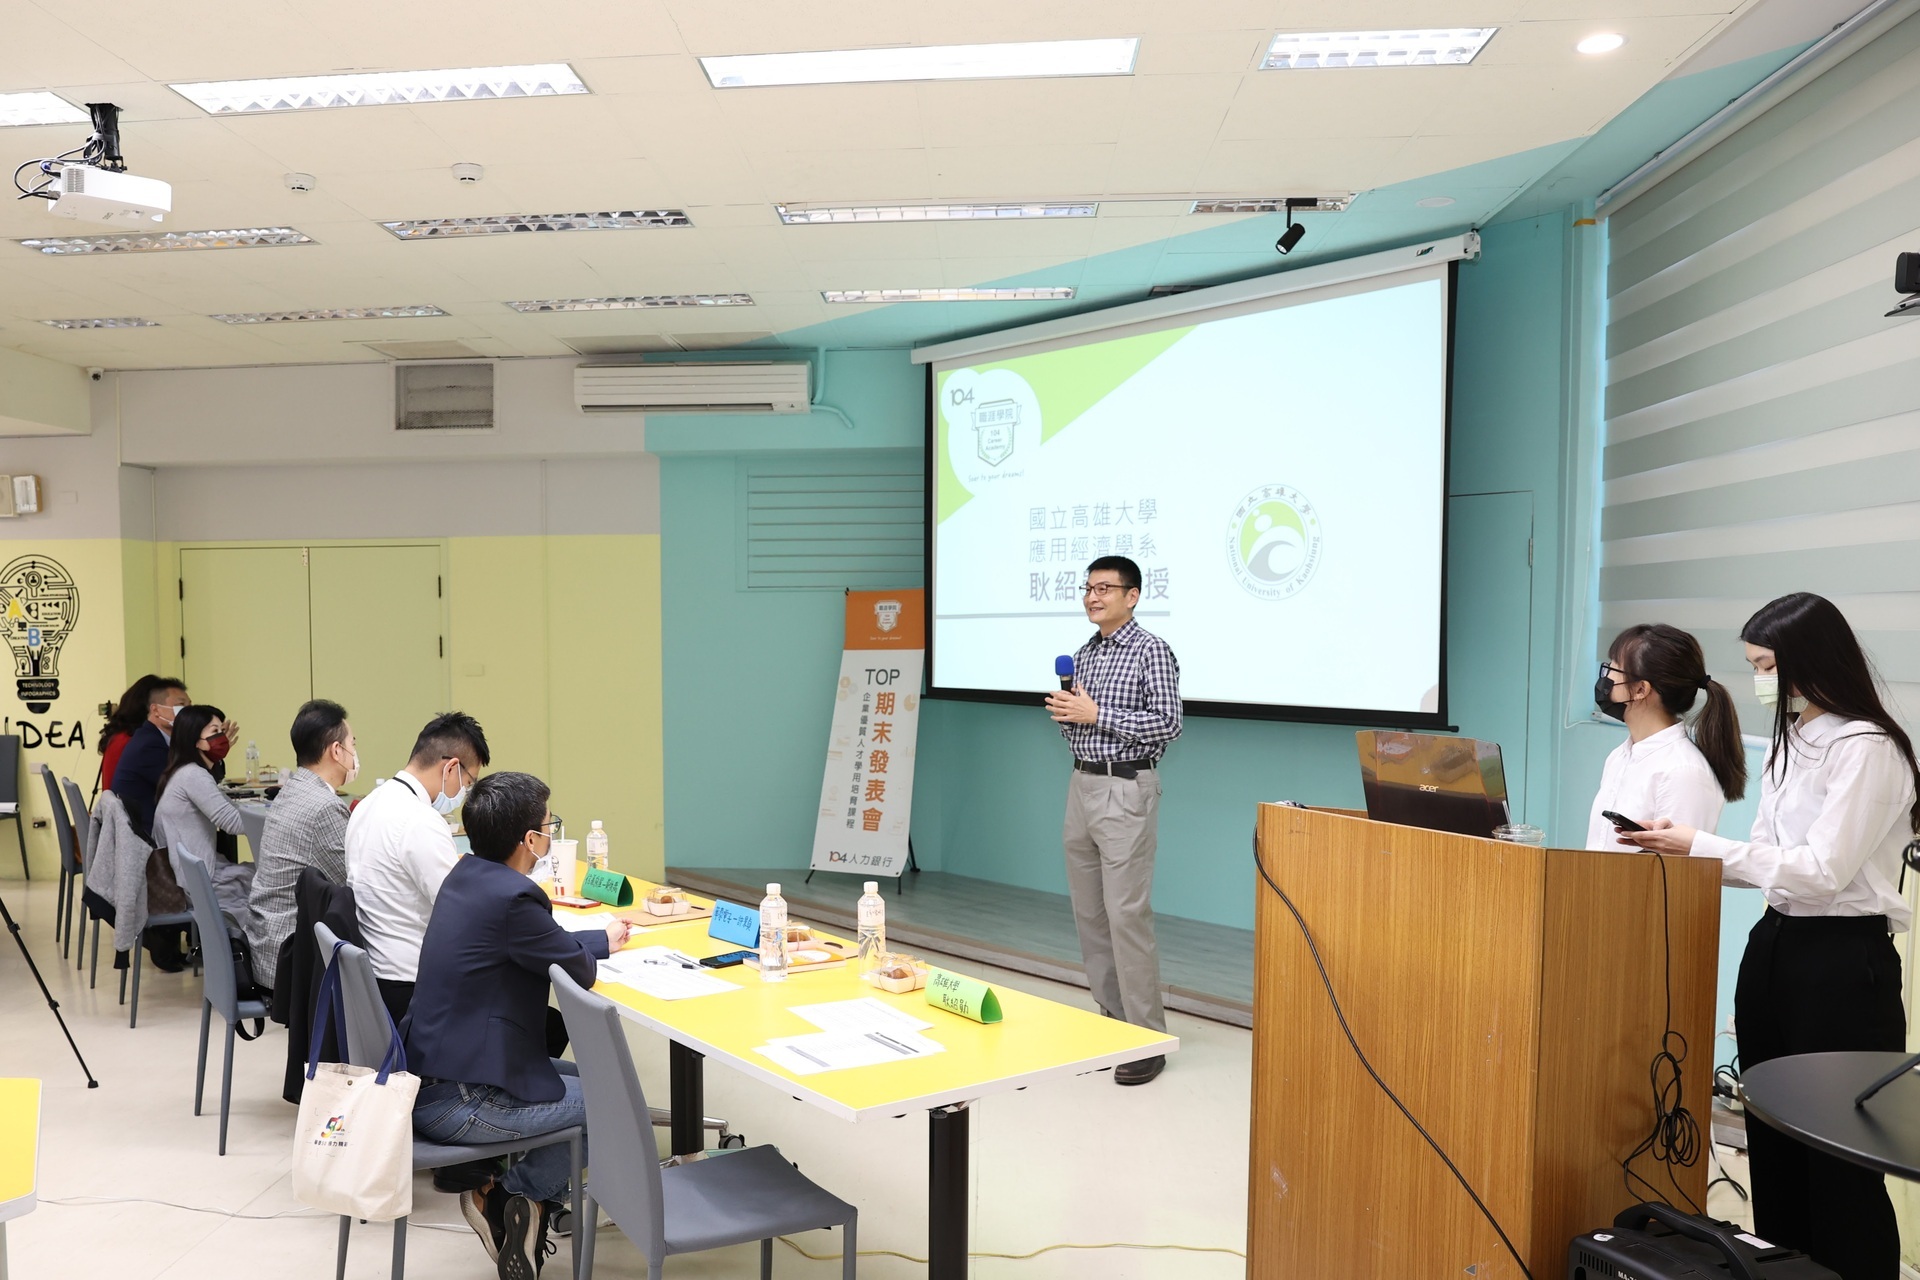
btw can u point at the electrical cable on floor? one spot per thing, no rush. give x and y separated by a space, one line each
1394 1098
1674 1140
1012 1257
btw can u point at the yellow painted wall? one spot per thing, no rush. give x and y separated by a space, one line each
553 644
92 669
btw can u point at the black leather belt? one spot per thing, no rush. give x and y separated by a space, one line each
1114 768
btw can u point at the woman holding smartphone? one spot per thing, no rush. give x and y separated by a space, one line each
1651 678
1820 973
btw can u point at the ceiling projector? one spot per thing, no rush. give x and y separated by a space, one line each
92 194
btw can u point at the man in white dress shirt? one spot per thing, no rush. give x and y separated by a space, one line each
400 848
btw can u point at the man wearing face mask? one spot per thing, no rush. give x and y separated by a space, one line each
136 778
399 848
306 827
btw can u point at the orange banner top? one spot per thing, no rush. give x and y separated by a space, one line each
886 619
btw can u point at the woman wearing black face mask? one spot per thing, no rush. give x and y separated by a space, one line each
1651 678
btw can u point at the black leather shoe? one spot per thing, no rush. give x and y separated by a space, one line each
1141 1072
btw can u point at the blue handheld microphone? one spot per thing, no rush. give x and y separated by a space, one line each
1063 667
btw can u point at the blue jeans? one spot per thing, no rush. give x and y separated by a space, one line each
483 1113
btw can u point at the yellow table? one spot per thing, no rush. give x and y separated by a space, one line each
1036 1040
19 1153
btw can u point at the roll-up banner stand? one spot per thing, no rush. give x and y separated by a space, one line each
866 802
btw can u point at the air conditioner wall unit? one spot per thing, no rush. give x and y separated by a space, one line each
688 387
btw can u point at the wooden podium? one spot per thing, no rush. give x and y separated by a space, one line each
1513 997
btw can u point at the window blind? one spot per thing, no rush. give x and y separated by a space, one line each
848 522
1762 416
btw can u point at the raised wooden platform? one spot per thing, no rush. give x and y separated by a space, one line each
1207 969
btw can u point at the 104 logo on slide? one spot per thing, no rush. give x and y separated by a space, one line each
1273 542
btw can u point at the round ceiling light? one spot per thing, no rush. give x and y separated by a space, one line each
1604 42
1434 202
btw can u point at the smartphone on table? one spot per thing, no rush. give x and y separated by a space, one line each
727 959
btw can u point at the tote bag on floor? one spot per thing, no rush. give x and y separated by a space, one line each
353 1142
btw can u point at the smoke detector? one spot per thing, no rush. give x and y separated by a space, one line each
467 172
299 181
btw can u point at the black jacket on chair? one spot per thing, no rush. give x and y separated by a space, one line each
479 1013
296 982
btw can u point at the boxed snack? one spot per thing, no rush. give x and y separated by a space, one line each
898 973
666 901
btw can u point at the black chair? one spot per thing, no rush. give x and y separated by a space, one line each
69 842
10 794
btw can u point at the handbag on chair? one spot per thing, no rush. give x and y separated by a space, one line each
353 1141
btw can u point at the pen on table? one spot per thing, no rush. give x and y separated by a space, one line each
889 1041
666 964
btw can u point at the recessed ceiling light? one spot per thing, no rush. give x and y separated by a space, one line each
326 313
1434 202
537 306
1604 42
1446 46
104 322
798 214
38 107
381 88
507 223
948 295
168 241
1272 204
937 62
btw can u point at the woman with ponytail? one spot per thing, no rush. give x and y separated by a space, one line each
1838 804
1651 678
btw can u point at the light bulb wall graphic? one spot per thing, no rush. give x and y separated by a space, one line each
39 605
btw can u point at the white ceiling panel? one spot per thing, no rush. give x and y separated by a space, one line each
1196 118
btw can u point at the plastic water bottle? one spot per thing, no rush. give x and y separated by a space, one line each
773 936
596 847
253 762
872 915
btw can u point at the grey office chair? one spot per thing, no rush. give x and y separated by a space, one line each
369 1032
10 794
220 985
753 1194
83 848
63 835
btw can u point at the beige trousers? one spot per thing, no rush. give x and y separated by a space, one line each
1111 833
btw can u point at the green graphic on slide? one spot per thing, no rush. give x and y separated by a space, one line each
1274 540
1066 383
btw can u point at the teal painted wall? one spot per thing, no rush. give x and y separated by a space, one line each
749 674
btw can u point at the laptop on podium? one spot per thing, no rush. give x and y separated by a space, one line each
1434 781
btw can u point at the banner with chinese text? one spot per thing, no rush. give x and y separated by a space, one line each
866 802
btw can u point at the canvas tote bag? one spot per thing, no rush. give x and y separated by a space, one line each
353 1142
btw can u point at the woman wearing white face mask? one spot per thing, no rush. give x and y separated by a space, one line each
1820 973
306 827
1651 678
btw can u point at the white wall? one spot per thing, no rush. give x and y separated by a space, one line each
344 413
79 476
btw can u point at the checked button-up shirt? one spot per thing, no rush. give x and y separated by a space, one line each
1133 677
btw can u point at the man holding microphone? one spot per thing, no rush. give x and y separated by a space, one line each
1121 711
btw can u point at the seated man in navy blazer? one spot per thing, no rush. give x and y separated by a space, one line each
477 1030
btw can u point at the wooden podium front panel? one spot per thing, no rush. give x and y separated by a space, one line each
1512 997
1433 945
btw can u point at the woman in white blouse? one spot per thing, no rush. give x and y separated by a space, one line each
1820 973
1651 678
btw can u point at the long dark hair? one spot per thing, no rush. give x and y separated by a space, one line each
184 747
131 713
1672 662
1818 658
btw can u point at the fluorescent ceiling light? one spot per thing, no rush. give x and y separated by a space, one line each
1272 204
104 322
938 62
1604 42
1037 294
634 303
38 107
506 223
166 241
381 88
326 313
1446 46
798 214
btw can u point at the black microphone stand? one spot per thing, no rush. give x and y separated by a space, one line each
52 1004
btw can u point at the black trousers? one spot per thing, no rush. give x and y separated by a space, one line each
1820 984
